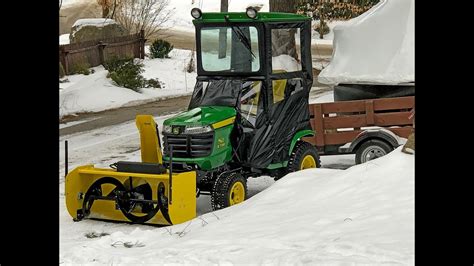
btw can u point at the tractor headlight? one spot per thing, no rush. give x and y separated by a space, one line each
251 12
167 129
197 129
196 13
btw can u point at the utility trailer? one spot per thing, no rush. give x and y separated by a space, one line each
369 128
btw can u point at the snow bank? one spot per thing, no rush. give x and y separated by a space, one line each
363 215
96 92
376 47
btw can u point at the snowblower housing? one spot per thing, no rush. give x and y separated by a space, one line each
250 101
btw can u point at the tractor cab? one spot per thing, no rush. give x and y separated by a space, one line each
251 95
247 117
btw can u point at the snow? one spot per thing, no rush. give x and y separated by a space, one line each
97 22
362 215
285 62
376 47
95 92
64 39
327 38
69 3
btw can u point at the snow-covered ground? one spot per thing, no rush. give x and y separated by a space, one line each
361 215
95 92
323 216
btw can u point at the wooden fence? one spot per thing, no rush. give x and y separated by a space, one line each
349 117
96 52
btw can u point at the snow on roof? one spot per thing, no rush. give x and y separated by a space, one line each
377 47
98 22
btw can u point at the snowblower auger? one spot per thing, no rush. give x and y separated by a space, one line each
137 192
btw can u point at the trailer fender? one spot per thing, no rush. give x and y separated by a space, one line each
381 133
298 136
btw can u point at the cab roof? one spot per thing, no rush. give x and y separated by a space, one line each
211 17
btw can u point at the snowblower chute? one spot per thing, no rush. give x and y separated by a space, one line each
138 192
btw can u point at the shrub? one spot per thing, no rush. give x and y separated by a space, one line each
80 68
128 75
153 83
160 49
191 67
115 62
317 28
62 73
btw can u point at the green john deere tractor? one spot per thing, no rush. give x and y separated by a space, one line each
249 108
247 117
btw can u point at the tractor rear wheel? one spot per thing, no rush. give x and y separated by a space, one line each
229 189
304 156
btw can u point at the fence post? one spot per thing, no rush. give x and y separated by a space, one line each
63 59
142 44
101 46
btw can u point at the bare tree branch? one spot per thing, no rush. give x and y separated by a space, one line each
147 15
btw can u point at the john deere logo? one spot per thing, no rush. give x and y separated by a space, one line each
220 143
175 130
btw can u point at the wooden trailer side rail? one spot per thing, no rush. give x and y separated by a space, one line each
338 123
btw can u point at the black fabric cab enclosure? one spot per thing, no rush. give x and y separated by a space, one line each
271 99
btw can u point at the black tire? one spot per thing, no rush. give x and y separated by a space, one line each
221 192
300 151
373 148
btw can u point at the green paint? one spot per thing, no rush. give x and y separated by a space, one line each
277 165
220 154
299 135
212 17
201 116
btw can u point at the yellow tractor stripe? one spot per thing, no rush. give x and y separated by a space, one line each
224 123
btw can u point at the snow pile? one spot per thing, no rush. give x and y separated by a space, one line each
95 92
286 63
363 215
376 47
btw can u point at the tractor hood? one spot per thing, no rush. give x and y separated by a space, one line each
201 116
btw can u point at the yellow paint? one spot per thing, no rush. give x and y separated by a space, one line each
182 209
237 193
224 123
308 162
278 90
149 142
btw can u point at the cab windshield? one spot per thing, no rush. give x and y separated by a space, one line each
230 49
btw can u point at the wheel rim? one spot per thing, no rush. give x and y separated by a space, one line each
308 162
237 193
372 152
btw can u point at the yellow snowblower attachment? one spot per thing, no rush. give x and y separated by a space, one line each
137 192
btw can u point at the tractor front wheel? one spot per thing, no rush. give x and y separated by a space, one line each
229 189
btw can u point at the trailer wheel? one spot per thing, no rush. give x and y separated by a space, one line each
304 156
229 189
372 149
